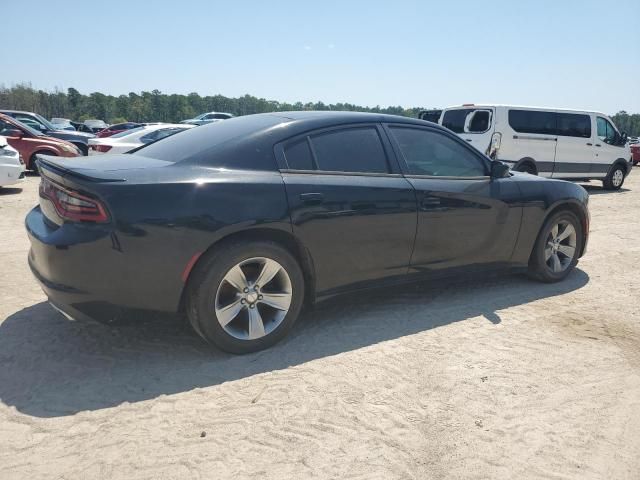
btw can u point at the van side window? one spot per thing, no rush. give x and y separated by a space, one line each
479 122
606 132
431 153
454 119
532 121
574 125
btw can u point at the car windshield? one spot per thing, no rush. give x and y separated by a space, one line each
45 122
124 133
95 123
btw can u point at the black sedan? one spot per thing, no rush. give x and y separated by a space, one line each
240 223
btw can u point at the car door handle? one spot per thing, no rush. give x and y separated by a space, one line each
312 198
598 145
469 140
589 143
430 203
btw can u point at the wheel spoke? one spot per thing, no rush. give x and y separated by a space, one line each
228 313
547 253
269 270
554 232
236 278
280 301
256 326
567 250
568 231
556 264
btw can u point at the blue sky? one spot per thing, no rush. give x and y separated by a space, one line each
575 54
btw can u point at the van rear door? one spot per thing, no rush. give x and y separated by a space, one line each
473 124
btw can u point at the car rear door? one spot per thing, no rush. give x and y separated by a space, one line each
465 218
350 206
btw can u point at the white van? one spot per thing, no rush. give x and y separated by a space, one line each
567 144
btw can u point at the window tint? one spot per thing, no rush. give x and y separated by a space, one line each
530 121
219 116
298 155
574 125
480 122
454 119
351 150
432 153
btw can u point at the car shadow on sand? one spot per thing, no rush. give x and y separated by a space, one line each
600 190
10 190
53 367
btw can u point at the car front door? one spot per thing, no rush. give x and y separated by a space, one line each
350 206
465 218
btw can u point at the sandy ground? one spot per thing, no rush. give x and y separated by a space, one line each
504 378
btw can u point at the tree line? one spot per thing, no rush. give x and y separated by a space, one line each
155 106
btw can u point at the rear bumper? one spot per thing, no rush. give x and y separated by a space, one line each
84 272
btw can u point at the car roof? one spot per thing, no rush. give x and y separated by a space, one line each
18 111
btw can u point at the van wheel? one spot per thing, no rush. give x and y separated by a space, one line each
557 248
615 179
527 168
245 297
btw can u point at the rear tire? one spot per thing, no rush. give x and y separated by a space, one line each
555 253
227 306
615 179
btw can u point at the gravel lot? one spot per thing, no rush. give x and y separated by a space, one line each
503 378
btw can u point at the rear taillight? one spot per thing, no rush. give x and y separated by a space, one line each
101 148
71 205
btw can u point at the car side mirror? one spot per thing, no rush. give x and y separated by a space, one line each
499 170
14 132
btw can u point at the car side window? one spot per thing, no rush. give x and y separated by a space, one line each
427 152
357 149
5 127
606 132
298 155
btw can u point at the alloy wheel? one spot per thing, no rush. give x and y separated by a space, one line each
617 178
253 298
560 248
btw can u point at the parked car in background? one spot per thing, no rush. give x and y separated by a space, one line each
38 122
95 125
430 115
635 153
117 128
632 140
81 127
29 142
11 164
62 124
240 223
208 118
129 139
568 144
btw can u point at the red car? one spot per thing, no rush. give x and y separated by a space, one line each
117 128
30 142
635 153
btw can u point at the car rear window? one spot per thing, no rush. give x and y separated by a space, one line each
200 144
454 119
298 155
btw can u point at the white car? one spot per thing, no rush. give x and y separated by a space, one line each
11 166
550 142
136 137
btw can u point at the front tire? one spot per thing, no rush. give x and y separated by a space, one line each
33 167
555 253
245 297
615 179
